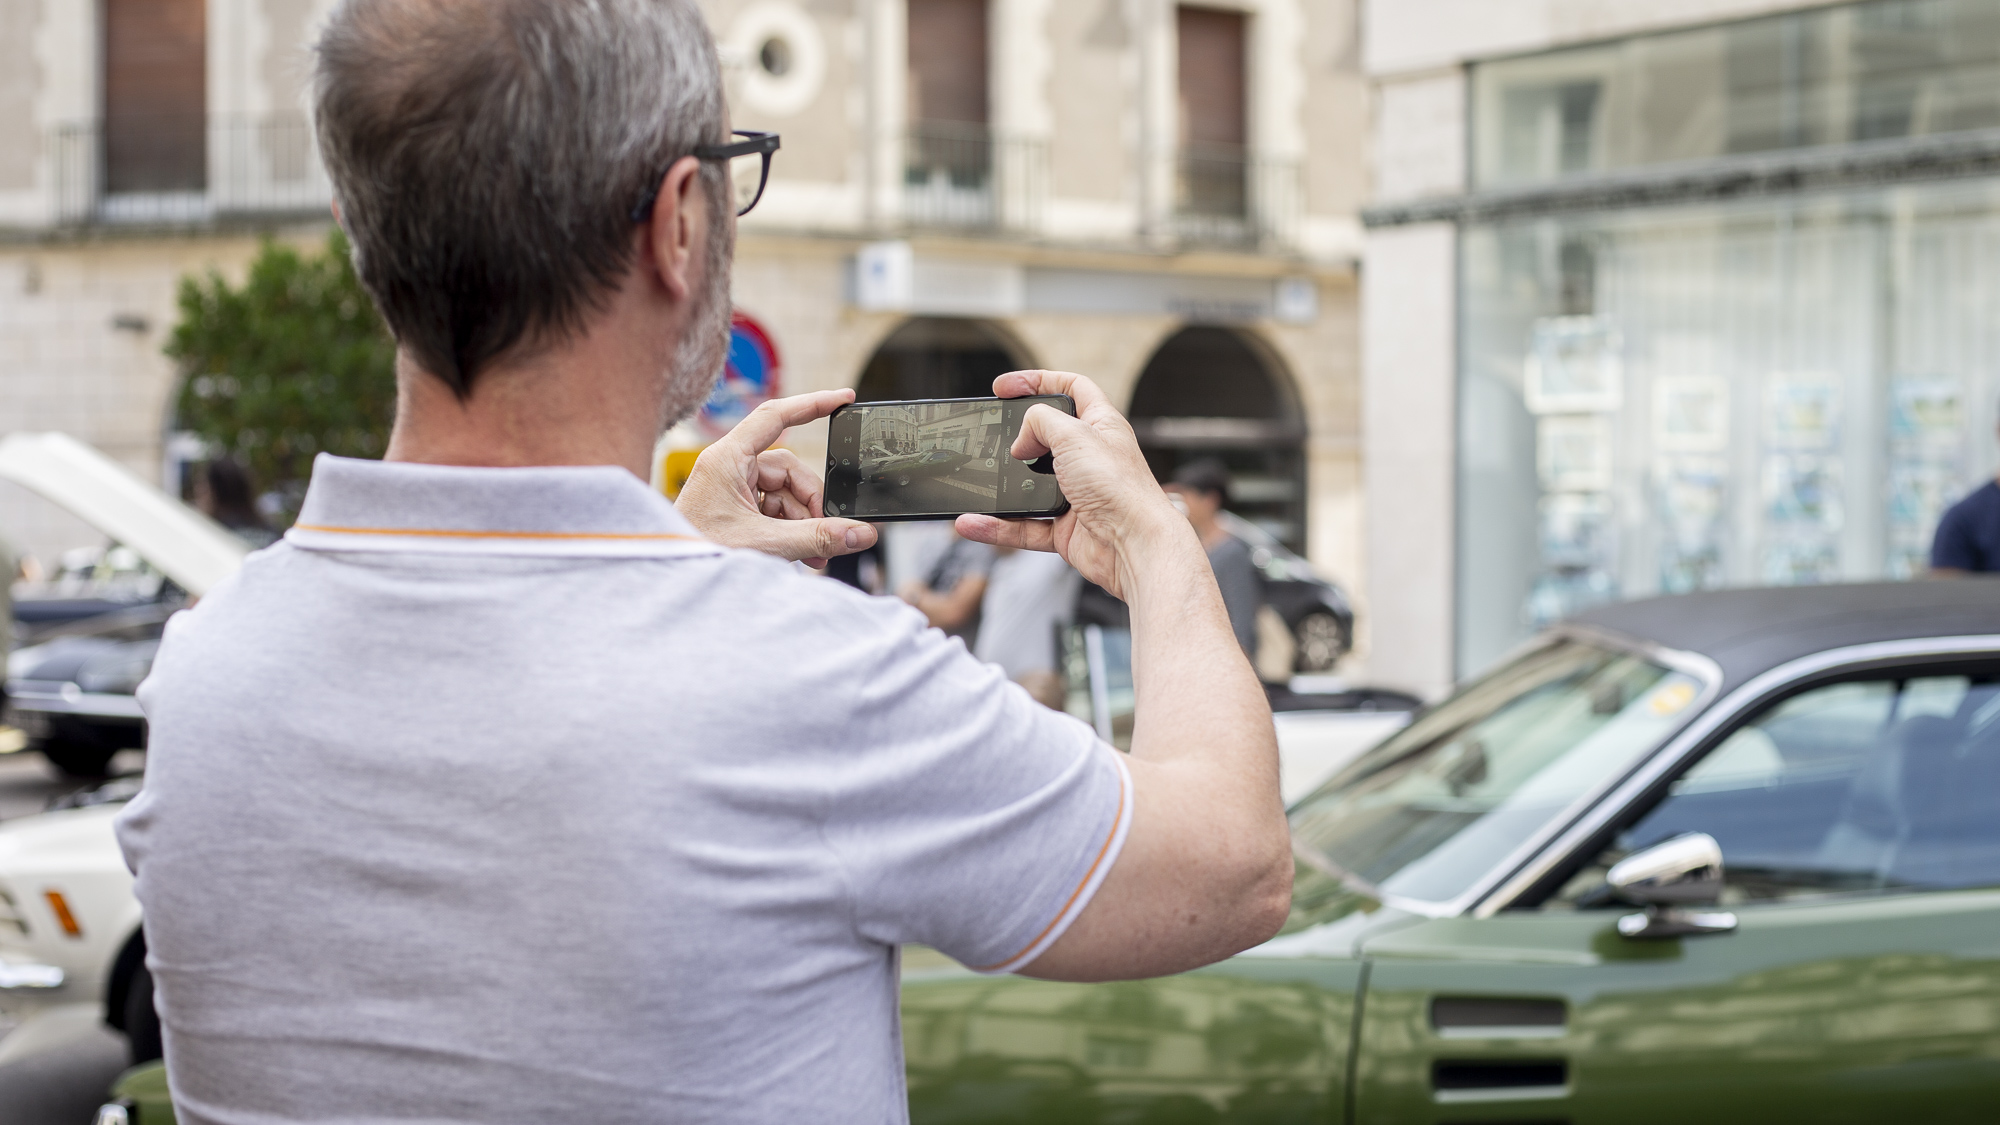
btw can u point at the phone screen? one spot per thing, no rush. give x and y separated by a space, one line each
934 459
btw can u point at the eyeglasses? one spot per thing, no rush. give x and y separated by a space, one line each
748 163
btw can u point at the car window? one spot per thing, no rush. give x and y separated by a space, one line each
1428 812
1855 787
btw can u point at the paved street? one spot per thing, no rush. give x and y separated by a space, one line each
55 1069
968 485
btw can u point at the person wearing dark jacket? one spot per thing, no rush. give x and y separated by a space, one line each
1968 536
1201 489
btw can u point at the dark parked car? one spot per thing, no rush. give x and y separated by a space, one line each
1315 610
1731 856
72 693
87 638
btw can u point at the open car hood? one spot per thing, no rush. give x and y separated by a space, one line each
183 544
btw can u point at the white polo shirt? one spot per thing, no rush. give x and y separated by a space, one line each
499 795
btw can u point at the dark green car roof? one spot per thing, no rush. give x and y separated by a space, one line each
1749 632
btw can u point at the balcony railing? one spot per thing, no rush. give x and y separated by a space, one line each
1225 196
964 176
187 173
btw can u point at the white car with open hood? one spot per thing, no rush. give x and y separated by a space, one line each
71 688
68 922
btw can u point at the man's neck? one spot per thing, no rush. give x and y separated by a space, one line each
594 400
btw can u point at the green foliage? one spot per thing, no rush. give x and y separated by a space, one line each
293 363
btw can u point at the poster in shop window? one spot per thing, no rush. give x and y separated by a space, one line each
1926 466
1575 366
1577 542
1574 452
1692 497
1802 482
1690 414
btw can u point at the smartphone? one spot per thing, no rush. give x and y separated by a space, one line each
933 459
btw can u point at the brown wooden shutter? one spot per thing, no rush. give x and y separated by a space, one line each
155 95
1212 79
948 61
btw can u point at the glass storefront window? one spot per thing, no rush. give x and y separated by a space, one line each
1827 76
1664 400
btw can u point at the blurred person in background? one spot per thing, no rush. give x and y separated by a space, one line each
865 570
223 493
1028 598
1968 535
952 587
1201 489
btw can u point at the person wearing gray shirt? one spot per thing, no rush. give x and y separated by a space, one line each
1201 488
504 791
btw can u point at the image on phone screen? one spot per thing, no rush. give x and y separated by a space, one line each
936 459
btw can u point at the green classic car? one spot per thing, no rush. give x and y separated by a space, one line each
1731 856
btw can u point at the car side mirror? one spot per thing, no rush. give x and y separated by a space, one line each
1683 871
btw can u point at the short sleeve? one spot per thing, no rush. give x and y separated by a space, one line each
971 818
1954 548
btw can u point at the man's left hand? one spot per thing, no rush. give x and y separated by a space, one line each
743 493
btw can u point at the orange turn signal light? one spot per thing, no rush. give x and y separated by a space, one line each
64 918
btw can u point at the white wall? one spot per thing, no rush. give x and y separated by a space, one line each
1408 382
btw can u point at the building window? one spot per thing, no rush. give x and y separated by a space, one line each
1214 120
1212 392
155 96
1836 75
948 161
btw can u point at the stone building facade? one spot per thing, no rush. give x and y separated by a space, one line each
1161 195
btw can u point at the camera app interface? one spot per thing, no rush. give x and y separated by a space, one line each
936 457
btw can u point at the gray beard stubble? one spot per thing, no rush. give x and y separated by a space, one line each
699 356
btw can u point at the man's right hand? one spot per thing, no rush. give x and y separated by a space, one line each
1115 506
1206 869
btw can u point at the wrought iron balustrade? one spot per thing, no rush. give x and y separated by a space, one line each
1226 196
174 172
966 176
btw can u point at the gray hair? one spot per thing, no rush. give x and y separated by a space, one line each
487 156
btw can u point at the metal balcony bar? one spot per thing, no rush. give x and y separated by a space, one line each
964 176
178 173
1225 196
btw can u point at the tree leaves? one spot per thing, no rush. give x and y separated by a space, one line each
293 363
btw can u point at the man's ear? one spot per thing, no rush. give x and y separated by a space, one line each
678 227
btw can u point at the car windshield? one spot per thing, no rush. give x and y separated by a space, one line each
1428 812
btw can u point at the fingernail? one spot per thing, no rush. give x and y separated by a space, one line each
855 538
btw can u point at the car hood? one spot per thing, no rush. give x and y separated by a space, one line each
183 544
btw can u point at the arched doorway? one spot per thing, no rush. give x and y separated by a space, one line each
1211 392
939 357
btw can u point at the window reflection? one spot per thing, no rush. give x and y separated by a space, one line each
1855 72
1864 786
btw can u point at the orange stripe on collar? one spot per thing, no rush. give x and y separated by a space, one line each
448 533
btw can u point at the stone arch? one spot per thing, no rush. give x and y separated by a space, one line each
1210 391
941 357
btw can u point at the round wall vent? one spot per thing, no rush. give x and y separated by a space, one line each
782 56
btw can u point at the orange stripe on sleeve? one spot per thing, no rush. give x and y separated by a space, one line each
1119 818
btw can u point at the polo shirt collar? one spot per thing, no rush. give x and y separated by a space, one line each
568 510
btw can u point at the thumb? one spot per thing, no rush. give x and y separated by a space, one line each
821 538
1041 428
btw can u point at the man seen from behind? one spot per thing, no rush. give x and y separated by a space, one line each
501 790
